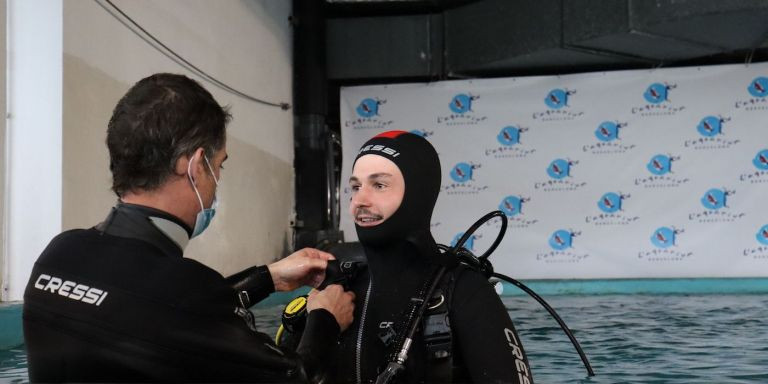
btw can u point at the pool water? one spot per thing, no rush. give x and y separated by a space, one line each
628 338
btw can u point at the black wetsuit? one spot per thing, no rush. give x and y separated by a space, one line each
401 255
482 331
119 302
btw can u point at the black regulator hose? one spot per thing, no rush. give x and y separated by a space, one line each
484 266
554 314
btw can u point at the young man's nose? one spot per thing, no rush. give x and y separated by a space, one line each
361 198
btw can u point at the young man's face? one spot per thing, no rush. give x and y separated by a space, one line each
377 190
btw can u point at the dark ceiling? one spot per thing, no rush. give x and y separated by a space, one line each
443 39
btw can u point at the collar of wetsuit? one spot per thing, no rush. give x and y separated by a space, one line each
419 163
154 226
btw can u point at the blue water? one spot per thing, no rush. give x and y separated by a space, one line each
640 338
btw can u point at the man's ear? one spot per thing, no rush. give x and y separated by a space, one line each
182 163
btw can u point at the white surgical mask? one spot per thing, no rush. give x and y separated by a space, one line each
205 215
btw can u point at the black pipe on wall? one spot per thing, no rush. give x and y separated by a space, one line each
314 200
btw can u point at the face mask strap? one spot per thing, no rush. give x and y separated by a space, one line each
211 169
194 186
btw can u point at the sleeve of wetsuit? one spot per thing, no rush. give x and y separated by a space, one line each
489 344
318 343
256 282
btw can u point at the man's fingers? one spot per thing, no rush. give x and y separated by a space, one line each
318 254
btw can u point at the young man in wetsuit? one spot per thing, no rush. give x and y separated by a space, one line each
395 183
119 302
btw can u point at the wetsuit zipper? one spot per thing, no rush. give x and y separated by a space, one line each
359 345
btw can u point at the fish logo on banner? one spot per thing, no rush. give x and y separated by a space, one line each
657 93
509 138
423 133
715 202
660 164
760 162
561 239
558 108
758 89
559 170
460 107
368 116
761 251
607 134
561 243
462 175
469 244
762 235
709 129
461 172
512 207
657 97
660 167
664 239
610 204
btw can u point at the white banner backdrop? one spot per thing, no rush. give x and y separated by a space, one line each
653 173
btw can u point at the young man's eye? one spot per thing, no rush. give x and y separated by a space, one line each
380 186
354 188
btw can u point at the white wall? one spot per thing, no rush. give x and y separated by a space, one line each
33 137
246 44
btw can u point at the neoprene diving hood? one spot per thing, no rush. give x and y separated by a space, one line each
418 162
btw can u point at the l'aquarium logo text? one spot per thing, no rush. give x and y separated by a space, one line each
558 107
461 111
660 167
368 115
561 243
664 239
462 175
510 142
611 205
658 101
609 140
760 161
711 134
761 251
559 172
512 207
758 89
715 201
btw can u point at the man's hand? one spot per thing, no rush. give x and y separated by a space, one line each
334 300
303 267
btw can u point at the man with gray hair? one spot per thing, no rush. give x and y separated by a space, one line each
119 302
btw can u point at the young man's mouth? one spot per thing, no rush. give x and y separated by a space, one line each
368 220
